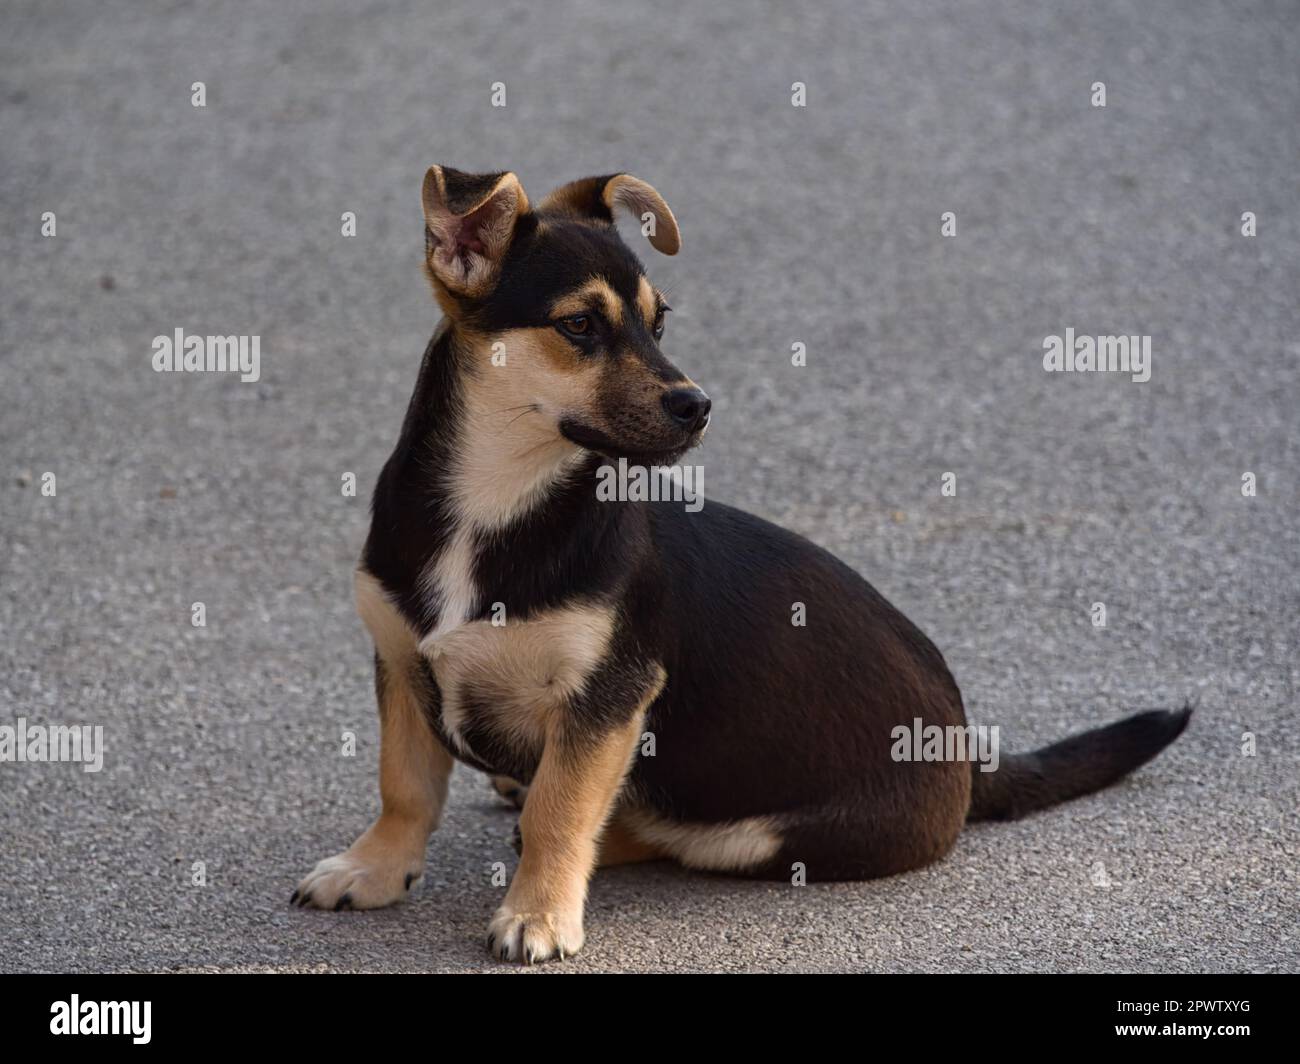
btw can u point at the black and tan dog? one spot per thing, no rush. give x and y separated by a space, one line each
772 741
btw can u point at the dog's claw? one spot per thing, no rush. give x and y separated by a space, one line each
294 899
344 902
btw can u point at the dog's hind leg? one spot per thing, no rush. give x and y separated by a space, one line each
865 836
414 770
511 790
619 845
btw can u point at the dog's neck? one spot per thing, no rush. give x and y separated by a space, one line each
496 458
502 494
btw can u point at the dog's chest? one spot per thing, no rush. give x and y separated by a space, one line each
503 681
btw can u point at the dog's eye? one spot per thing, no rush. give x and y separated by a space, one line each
576 325
658 327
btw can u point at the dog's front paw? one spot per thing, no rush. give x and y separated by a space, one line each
356 881
533 937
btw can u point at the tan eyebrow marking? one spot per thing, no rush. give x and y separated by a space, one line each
580 301
648 300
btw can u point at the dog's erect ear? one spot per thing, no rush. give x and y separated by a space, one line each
598 197
469 220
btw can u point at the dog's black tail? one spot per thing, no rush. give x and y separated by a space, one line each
1079 765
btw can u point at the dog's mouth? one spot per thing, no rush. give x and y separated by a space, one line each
597 441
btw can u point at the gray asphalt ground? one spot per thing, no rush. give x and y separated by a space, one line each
818 225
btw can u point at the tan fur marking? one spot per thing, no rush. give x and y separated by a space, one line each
647 300
509 450
414 768
527 669
392 637
548 346
728 847
595 293
618 845
414 771
575 199
511 790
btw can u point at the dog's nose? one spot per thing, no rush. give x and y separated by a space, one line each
689 407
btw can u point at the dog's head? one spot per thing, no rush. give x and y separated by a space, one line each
557 315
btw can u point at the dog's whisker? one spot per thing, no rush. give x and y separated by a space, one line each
530 409
535 448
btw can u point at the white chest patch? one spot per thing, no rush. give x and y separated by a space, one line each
451 580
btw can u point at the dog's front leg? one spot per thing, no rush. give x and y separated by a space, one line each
571 795
414 771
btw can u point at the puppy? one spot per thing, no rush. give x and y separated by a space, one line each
629 670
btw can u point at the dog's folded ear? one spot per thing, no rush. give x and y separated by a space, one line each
469 221
599 197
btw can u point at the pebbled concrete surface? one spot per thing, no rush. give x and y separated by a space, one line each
818 225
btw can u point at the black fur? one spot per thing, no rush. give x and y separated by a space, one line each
1075 766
